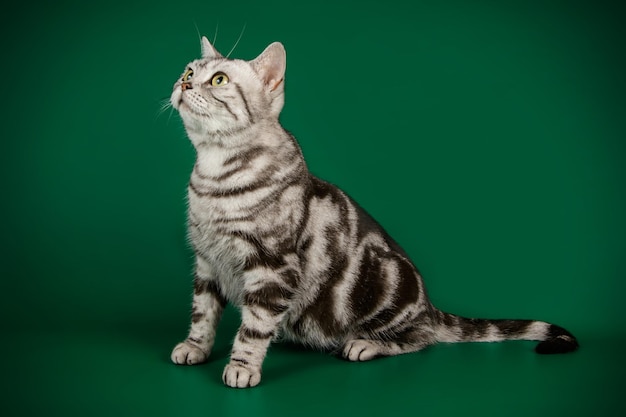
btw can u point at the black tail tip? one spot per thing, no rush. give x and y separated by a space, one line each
559 341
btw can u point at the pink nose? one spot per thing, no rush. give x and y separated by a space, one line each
185 86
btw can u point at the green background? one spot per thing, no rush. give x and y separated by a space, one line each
488 137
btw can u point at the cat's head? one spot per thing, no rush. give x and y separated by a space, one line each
220 95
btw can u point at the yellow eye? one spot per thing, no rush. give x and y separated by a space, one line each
219 79
188 74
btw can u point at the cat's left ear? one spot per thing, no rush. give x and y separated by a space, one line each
208 51
271 64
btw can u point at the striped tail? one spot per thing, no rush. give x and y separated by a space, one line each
552 338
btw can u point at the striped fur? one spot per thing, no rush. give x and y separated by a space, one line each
300 258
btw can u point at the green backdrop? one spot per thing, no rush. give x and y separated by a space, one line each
488 137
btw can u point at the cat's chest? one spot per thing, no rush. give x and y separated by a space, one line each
224 253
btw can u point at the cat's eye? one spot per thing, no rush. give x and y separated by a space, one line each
187 75
219 79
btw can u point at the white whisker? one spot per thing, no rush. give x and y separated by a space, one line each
217 25
238 39
165 104
198 33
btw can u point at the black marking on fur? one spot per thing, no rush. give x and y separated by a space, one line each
226 106
262 256
247 156
405 294
290 277
196 317
473 328
249 333
558 340
196 171
194 340
196 191
201 286
407 291
240 360
245 102
272 297
321 309
512 328
369 288
238 191
231 172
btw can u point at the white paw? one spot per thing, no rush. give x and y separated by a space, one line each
360 350
187 354
238 376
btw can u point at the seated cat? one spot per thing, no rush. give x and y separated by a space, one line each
301 260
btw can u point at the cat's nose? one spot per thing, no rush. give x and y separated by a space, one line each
185 86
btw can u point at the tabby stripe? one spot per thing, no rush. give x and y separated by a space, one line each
246 156
266 201
401 323
226 106
473 328
196 171
408 288
262 257
202 286
237 191
321 308
197 317
290 277
245 102
231 172
272 297
512 328
264 179
196 191
249 333
255 314
368 290
405 294
244 218
240 360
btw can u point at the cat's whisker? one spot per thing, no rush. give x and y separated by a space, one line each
165 104
198 32
217 25
238 39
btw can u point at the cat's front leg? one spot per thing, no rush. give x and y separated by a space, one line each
266 299
208 304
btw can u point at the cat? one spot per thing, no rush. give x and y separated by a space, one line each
301 260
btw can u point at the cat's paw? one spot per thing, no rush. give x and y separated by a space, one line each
239 376
187 354
361 350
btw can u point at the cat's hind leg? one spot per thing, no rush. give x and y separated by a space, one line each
360 350
407 340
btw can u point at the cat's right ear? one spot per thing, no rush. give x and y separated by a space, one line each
270 66
208 51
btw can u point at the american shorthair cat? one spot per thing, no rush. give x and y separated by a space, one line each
301 260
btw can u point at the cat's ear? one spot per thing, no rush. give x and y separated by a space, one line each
271 64
208 51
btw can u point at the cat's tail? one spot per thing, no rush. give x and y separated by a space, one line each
552 338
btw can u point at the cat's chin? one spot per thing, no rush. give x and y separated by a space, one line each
186 110
193 120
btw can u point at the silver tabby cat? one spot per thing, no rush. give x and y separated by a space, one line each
300 258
